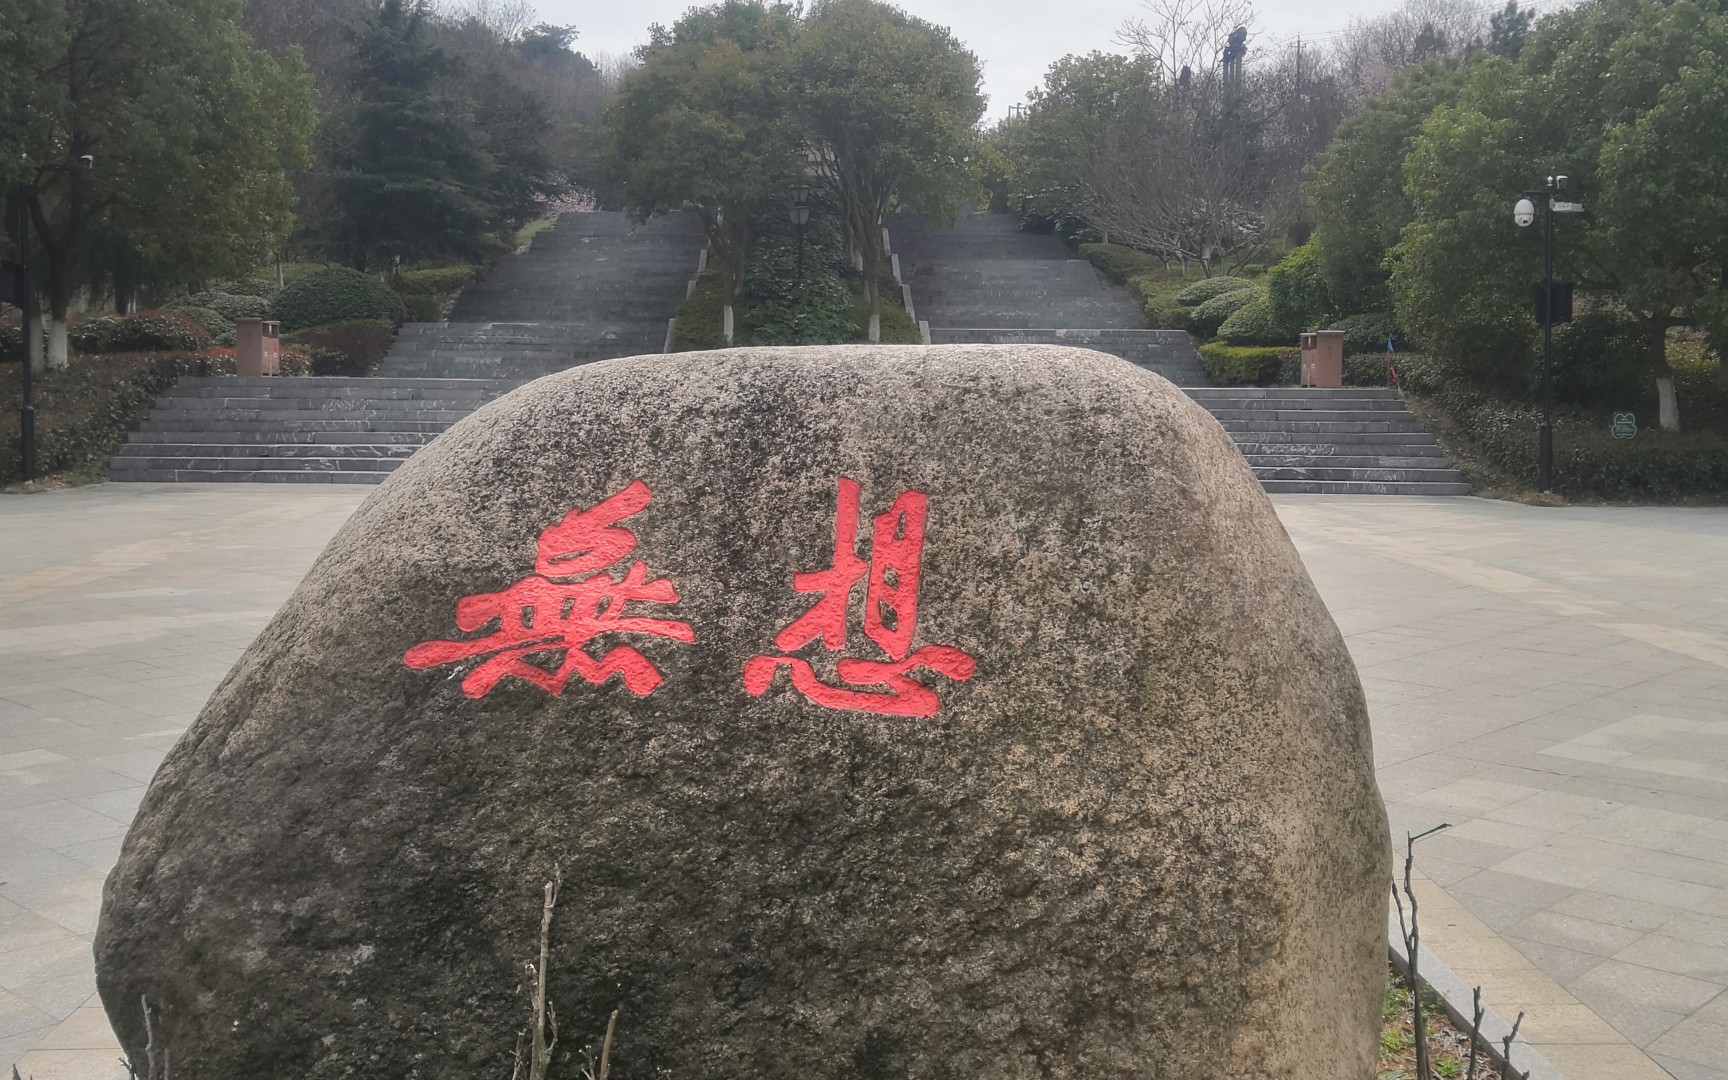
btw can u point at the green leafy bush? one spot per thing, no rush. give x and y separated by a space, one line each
1120 263
1368 333
1599 359
1247 365
92 335
1210 288
1372 369
1205 320
1296 291
157 331
334 294
422 307
439 281
84 411
1157 291
1253 324
347 348
221 330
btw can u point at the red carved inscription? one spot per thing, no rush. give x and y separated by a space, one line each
568 601
890 618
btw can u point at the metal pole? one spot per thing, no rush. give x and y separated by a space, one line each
1545 444
798 319
26 411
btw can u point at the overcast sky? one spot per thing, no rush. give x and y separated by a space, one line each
1016 39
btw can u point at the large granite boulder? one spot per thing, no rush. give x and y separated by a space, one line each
886 712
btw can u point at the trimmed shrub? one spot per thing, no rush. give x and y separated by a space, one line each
334 294
1120 263
84 410
1297 293
1209 288
157 331
345 348
221 330
1247 365
92 335
1369 332
1205 320
1254 324
438 281
1372 369
422 307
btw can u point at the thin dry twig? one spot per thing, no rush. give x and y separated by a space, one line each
1475 1031
540 1059
1412 935
1506 1052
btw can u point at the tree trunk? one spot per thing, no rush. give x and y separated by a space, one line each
1667 409
33 343
58 354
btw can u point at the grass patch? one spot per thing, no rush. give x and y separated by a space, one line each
526 234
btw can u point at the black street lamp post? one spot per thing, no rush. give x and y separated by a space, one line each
800 215
1523 215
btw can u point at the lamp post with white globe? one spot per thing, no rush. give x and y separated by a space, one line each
1524 215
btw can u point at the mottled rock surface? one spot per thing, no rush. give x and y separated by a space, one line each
1139 836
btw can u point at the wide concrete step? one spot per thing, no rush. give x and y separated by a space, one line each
321 424
1352 439
275 435
1323 426
1346 461
1357 487
256 462
1368 474
1206 394
366 451
248 476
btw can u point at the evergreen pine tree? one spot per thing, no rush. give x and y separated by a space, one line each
414 177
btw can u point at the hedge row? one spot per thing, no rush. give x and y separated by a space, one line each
353 348
84 410
334 294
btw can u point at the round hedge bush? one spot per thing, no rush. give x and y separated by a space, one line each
221 329
1202 291
1253 324
158 331
334 294
1205 319
1369 332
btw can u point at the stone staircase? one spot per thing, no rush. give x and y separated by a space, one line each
596 286
276 430
983 280
1341 442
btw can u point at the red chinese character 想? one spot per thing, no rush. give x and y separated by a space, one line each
569 600
890 618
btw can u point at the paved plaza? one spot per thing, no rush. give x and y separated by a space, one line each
1551 682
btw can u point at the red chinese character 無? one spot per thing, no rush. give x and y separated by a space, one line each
890 617
566 603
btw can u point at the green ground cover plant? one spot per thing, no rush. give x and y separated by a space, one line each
84 410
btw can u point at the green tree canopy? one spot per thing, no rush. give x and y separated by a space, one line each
1356 187
189 128
889 104
1622 96
705 122
1066 120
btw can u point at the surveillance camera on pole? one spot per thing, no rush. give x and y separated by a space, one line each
1524 215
